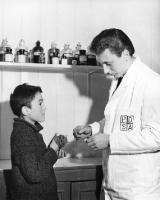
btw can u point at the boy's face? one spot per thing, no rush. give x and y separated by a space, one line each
37 111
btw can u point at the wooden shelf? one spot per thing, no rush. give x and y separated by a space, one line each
49 67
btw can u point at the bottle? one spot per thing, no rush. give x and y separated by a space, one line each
91 58
82 57
2 53
30 56
53 54
4 46
8 55
23 47
41 58
76 54
21 56
36 52
66 55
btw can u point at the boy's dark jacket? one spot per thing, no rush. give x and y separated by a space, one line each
33 175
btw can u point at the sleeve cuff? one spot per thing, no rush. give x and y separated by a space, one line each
95 127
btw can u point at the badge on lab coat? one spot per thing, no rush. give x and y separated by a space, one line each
126 122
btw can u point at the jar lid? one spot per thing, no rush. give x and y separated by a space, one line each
82 51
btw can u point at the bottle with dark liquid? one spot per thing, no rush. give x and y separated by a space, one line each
37 50
91 58
82 57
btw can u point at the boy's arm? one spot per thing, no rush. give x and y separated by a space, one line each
35 168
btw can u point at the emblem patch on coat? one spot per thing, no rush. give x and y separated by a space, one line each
126 122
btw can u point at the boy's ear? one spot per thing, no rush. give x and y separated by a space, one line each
25 110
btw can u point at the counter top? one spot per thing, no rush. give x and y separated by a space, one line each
64 163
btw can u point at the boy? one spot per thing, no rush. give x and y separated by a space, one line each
33 175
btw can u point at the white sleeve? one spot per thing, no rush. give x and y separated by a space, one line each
147 138
98 126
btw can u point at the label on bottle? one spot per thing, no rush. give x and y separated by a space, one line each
55 60
64 61
8 58
68 55
82 59
37 53
92 56
21 58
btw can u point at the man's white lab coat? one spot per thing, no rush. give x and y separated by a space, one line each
131 164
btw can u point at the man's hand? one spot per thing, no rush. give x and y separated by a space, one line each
98 141
82 132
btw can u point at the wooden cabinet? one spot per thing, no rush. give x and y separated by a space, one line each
84 183
88 190
80 182
64 190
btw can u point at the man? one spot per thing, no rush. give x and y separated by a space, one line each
129 134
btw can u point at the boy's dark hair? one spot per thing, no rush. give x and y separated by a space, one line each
113 39
22 96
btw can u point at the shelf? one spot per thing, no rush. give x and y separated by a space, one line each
49 67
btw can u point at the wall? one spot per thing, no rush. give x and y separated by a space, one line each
67 97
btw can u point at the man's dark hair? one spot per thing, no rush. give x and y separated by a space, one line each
113 39
22 96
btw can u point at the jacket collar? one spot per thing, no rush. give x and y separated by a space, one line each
37 127
128 80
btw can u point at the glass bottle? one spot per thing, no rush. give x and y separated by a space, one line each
76 54
41 58
8 55
2 52
4 46
91 58
36 52
53 54
21 56
30 56
82 57
66 55
23 47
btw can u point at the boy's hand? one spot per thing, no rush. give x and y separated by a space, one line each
61 153
60 141
54 146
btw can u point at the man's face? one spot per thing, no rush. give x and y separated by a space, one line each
112 64
37 111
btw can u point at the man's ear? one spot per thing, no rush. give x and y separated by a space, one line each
25 110
126 54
